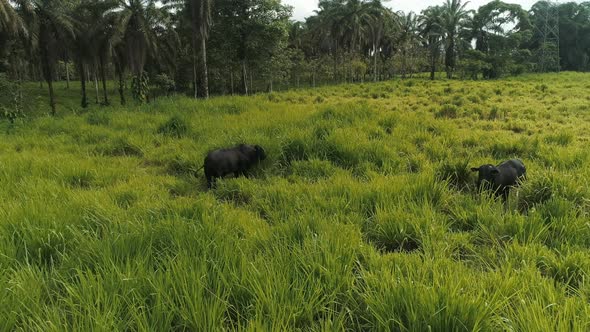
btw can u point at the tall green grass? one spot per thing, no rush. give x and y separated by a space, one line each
364 217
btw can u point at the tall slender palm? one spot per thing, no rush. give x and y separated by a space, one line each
199 12
139 39
431 30
49 25
379 17
95 31
453 17
407 37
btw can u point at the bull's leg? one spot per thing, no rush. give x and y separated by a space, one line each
210 180
505 194
236 174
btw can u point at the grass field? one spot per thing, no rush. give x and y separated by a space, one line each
364 216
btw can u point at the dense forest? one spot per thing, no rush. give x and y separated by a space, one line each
203 47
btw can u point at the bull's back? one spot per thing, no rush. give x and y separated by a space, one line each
223 162
516 164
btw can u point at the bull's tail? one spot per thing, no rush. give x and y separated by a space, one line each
197 170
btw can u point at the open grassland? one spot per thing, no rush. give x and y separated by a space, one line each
364 216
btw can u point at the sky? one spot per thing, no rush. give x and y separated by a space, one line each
304 8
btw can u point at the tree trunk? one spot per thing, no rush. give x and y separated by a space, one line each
231 79
403 64
40 71
450 57
251 83
51 97
244 78
204 72
119 70
47 72
84 102
67 76
195 59
96 86
194 79
103 77
432 66
375 61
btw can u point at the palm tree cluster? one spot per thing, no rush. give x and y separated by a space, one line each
231 46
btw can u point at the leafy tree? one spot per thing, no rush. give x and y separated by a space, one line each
500 31
254 29
200 14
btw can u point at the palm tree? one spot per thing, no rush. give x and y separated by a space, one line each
10 22
379 17
200 20
48 24
95 31
121 64
453 17
431 30
407 37
135 22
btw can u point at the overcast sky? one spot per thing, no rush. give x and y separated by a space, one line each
304 8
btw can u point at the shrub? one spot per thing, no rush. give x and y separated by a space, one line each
164 84
12 108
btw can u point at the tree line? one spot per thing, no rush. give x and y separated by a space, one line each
200 47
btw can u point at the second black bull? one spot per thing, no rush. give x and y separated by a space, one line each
502 177
237 160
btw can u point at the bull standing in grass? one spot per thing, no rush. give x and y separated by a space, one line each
237 160
502 177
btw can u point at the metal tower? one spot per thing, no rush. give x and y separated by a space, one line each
548 30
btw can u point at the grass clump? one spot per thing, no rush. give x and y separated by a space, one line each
176 127
449 111
396 230
121 147
457 174
98 119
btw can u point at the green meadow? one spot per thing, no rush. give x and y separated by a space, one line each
364 216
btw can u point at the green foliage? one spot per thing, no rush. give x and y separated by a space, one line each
11 102
140 87
164 83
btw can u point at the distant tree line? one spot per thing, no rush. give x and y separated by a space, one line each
200 47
